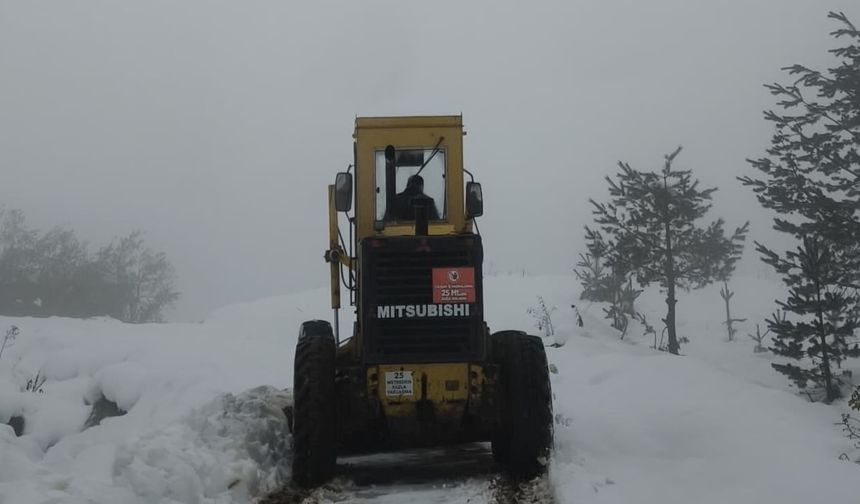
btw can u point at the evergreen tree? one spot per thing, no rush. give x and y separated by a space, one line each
812 168
811 177
652 221
606 278
825 313
591 270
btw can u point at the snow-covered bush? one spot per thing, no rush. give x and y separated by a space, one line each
758 337
851 429
854 402
36 384
542 315
9 338
727 296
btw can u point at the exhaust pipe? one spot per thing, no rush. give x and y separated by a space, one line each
421 219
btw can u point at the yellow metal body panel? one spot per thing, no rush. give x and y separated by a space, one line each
374 134
451 387
333 245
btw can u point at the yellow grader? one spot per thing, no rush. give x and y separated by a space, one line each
421 367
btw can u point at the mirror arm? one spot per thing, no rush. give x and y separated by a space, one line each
471 177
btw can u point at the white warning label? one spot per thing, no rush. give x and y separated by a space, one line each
398 383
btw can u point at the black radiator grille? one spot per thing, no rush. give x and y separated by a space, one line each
405 277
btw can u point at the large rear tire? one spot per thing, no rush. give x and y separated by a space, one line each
502 342
523 439
314 433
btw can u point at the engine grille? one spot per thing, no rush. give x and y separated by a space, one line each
397 274
407 277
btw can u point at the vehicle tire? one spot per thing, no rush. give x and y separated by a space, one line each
502 341
314 432
524 437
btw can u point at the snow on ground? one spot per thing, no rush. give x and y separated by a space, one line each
205 421
199 426
717 425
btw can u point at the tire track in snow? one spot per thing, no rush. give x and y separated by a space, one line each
455 474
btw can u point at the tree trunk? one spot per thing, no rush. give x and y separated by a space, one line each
727 296
674 347
825 356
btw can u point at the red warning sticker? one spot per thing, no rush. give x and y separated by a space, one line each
453 285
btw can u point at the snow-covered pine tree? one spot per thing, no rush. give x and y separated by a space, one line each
606 278
591 270
652 222
824 315
811 177
621 306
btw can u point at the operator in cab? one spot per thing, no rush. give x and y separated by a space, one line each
411 197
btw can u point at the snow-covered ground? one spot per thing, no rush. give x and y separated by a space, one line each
205 421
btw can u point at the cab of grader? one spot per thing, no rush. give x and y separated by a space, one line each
421 367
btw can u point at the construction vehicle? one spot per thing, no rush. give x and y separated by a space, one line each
421 367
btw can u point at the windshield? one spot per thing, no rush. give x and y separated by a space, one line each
406 184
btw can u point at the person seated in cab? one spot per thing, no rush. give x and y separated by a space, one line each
410 198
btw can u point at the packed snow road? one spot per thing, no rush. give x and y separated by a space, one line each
463 473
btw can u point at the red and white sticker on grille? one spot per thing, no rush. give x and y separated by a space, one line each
453 285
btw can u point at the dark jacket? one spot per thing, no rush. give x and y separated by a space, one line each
403 207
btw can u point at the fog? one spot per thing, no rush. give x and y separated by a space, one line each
214 126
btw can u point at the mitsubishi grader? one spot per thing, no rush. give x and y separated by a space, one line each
420 367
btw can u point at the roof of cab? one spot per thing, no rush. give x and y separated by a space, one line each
408 122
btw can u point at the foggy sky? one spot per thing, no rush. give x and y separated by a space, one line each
214 126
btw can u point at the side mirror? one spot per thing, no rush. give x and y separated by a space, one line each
474 200
343 192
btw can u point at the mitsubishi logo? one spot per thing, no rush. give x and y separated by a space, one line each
423 247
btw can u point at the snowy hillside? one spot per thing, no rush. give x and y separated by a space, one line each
205 421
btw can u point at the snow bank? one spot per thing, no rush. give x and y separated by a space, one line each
229 450
235 446
198 428
714 426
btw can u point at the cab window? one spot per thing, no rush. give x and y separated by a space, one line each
406 178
